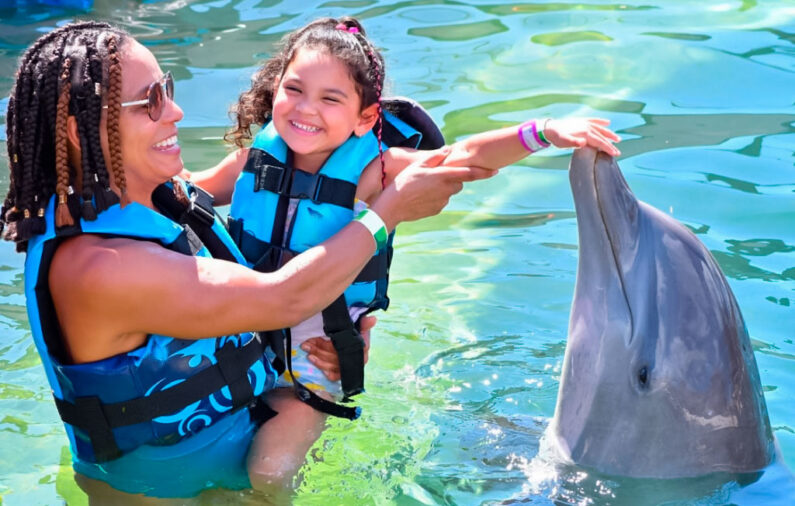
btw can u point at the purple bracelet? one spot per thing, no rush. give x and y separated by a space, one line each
530 138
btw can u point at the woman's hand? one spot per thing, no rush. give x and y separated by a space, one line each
320 351
423 189
580 132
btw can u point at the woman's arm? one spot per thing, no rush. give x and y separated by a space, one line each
220 180
108 292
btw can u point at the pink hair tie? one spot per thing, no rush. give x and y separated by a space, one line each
346 28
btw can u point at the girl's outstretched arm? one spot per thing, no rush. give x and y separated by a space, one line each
497 148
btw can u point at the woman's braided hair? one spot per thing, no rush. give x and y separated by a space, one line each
66 72
344 38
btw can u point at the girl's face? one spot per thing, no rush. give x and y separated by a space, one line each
316 108
150 152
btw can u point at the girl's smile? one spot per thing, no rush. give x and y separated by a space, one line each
317 107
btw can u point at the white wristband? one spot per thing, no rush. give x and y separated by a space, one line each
375 225
531 137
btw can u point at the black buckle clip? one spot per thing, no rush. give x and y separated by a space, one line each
306 185
265 175
201 207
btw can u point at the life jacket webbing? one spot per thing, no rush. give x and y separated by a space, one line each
348 343
198 216
274 176
99 419
267 257
280 341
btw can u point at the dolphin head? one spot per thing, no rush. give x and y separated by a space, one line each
659 378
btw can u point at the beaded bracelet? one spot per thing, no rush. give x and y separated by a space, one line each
531 137
375 225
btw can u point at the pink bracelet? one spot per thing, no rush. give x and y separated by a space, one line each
530 138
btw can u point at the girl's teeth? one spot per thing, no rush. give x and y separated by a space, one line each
305 128
167 143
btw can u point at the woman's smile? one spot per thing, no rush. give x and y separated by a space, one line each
168 145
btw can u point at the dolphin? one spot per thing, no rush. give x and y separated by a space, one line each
659 378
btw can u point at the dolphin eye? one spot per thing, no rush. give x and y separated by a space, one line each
643 376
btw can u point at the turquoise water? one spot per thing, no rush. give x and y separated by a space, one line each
464 369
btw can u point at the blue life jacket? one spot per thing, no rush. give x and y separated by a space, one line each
167 389
258 224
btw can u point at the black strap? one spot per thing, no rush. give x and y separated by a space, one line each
264 256
376 268
280 342
98 419
192 242
267 257
311 398
198 215
260 411
348 343
274 176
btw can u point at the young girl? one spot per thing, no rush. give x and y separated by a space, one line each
327 148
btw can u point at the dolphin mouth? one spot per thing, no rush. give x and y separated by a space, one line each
607 224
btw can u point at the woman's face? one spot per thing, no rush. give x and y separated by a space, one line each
150 152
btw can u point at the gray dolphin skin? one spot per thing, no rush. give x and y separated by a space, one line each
659 379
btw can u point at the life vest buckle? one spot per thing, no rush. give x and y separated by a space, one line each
306 185
271 178
199 209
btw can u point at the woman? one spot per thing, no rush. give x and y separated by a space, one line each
129 276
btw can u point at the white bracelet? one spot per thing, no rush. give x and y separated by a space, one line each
375 225
531 137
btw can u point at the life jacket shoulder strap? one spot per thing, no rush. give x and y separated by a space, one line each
198 217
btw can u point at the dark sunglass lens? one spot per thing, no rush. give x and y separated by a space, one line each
155 101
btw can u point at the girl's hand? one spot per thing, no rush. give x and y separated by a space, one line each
322 354
580 132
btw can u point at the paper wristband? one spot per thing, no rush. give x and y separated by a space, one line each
375 225
530 138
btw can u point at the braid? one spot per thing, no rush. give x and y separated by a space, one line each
89 171
377 76
60 74
32 222
114 111
101 187
62 216
179 192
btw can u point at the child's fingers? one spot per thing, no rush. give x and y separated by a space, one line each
367 322
600 142
435 157
322 354
606 132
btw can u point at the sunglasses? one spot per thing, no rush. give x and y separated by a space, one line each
156 96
